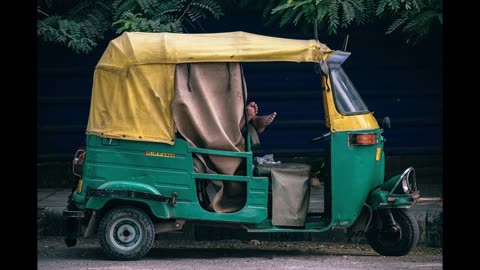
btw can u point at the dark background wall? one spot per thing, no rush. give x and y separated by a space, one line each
395 79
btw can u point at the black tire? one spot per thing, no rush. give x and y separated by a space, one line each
126 233
394 244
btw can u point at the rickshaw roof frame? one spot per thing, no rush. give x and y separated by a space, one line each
138 48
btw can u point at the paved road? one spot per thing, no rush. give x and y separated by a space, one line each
234 255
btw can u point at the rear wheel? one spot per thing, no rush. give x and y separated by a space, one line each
126 233
396 239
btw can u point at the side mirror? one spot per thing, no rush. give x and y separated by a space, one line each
386 122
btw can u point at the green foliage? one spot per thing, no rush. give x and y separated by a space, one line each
332 13
414 17
162 16
79 24
86 23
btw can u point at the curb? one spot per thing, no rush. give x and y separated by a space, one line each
50 222
428 212
429 216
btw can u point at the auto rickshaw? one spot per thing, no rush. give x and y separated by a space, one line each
138 173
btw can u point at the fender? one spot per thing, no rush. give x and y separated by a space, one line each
131 191
390 194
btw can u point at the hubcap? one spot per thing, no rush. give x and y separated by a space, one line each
125 234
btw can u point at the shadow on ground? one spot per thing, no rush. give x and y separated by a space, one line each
89 248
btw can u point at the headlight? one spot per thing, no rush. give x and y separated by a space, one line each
409 181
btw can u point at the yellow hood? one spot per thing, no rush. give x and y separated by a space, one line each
133 85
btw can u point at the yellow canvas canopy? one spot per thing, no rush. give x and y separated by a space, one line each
133 84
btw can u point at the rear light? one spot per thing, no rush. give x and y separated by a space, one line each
78 162
362 138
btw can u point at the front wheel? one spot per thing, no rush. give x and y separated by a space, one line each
126 233
393 239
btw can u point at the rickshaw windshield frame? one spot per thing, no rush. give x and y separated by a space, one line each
346 97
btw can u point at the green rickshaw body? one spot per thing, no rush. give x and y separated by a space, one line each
355 172
158 169
137 176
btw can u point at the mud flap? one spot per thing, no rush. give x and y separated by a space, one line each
72 226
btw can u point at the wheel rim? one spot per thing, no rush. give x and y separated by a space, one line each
390 236
125 234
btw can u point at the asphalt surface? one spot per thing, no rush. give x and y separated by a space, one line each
52 253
